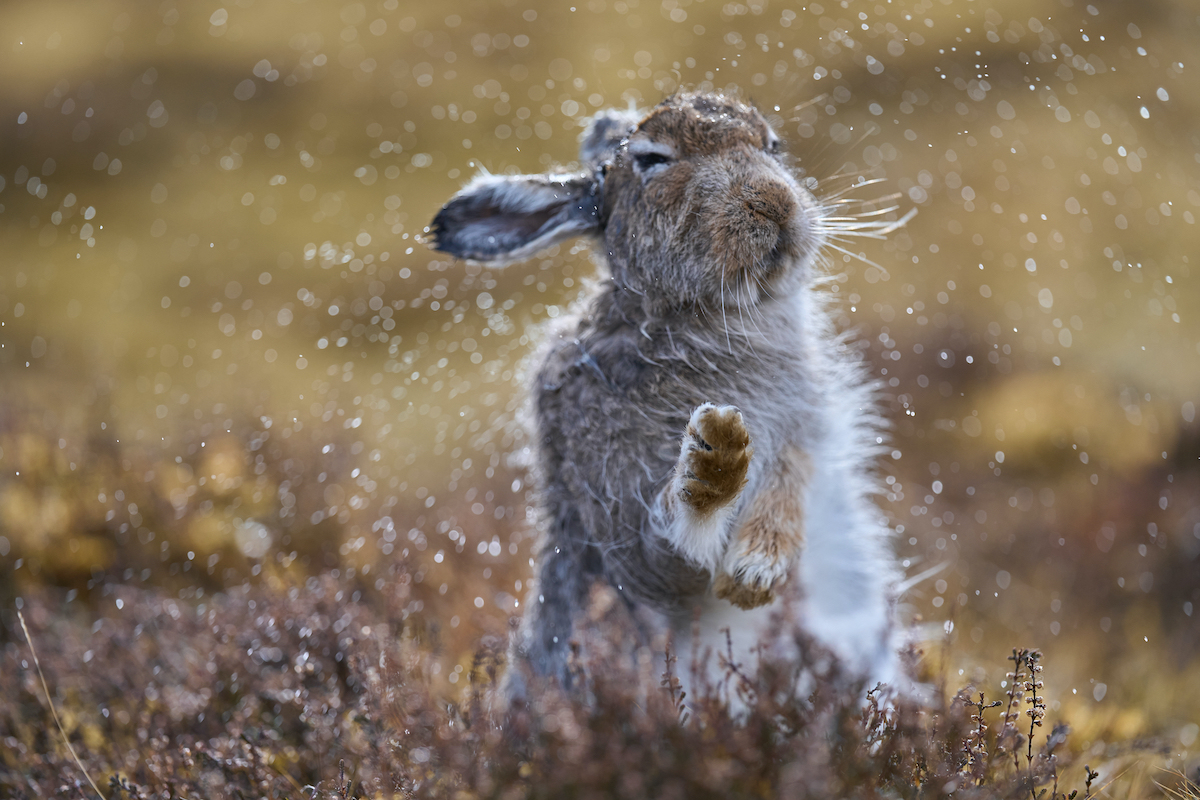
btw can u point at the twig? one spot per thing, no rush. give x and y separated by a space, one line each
344 789
674 687
976 744
53 713
270 764
1015 695
733 669
1036 712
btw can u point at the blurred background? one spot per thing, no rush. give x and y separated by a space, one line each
226 358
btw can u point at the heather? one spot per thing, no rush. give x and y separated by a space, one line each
261 693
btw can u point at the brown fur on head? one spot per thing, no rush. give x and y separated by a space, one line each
698 203
694 206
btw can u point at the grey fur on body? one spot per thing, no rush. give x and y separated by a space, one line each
705 331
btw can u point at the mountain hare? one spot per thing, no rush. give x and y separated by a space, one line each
702 436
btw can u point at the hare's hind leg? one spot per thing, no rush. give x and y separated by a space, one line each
709 477
770 539
541 646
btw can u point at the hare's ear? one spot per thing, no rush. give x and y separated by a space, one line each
604 134
498 219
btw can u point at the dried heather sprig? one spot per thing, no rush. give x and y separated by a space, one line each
975 745
1016 694
1038 704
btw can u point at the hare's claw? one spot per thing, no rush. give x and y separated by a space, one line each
750 578
741 595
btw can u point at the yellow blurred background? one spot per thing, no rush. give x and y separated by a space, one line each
225 355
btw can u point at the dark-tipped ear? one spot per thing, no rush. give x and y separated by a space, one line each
604 134
498 219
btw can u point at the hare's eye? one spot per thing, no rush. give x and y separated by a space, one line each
648 161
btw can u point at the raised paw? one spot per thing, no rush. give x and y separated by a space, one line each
715 458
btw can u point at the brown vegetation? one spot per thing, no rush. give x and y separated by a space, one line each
309 692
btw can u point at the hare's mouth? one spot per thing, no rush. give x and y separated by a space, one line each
778 254
774 267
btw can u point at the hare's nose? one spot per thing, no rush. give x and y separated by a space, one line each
770 200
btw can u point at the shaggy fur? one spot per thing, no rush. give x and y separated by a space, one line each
702 436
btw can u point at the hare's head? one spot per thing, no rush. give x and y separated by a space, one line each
692 202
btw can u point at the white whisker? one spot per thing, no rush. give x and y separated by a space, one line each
865 229
859 256
810 102
836 194
724 321
849 227
751 311
861 215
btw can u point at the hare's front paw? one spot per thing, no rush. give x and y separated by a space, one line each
714 459
770 539
750 576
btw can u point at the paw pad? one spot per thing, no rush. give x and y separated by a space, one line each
716 456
